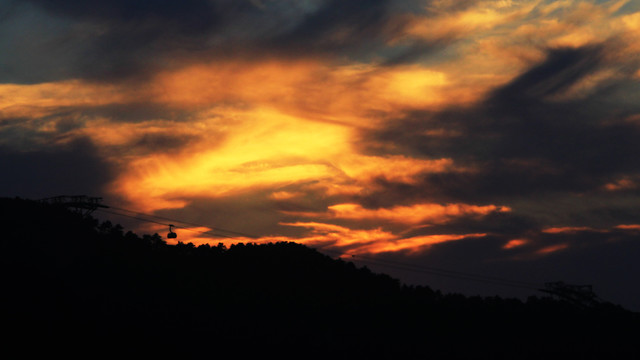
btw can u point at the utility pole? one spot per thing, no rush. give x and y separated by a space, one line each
581 295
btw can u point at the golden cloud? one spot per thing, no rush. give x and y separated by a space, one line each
514 243
621 184
552 249
567 229
369 241
409 215
629 227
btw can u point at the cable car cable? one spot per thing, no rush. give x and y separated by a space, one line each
210 233
446 273
186 223
379 262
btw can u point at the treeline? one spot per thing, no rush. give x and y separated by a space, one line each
78 287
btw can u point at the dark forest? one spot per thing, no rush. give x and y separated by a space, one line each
77 287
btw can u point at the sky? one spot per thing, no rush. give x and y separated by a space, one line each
499 138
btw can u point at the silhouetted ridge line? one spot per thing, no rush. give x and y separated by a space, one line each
370 260
445 273
381 262
75 286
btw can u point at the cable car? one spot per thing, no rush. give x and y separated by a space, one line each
171 234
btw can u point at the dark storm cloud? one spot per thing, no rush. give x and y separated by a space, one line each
525 140
124 38
619 213
186 16
74 168
362 30
562 68
112 40
339 25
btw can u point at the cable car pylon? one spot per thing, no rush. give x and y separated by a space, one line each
82 204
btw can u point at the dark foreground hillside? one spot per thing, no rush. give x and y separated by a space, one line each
74 287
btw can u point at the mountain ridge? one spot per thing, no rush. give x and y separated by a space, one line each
68 276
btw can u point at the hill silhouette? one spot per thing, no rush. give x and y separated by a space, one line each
81 288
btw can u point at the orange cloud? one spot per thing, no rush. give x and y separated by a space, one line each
411 215
500 45
414 244
324 92
566 229
515 243
367 241
575 229
397 168
30 107
256 125
284 195
628 227
483 17
632 21
552 249
40 99
260 149
621 184
304 89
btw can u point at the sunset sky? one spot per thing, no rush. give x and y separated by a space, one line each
487 137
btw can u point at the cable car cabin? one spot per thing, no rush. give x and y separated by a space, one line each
171 234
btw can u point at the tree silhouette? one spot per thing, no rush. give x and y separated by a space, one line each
74 283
